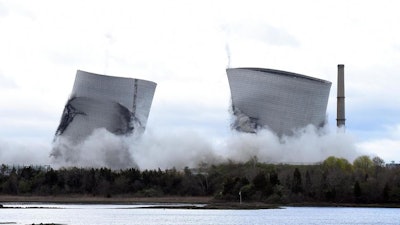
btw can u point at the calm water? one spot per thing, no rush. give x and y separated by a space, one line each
131 214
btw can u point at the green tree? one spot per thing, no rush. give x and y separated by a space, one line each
260 181
378 162
10 186
273 178
363 163
357 191
379 165
229 185
333 163
386 192
338 179
297 186
4 169
308 185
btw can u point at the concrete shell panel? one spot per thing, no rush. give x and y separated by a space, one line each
280 100
120 105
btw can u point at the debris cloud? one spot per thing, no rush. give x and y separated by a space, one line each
188 149
181 149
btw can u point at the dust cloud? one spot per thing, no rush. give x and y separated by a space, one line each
101 149
188 149
306 146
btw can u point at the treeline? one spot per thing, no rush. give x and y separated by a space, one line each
334 180
365 180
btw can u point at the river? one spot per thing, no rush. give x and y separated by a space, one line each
76 214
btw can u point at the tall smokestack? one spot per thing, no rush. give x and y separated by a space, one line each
341 120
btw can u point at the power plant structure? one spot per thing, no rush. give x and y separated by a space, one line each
120 105
279 100
340 118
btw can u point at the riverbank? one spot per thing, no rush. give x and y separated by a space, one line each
175 202
334 204
77 199
188 202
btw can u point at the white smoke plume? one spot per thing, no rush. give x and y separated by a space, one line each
228 55
308 145
180 149
188 148
176 149
100 149
105 149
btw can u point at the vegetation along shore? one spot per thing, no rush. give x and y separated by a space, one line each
251 184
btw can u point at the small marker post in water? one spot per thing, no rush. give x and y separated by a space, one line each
240 197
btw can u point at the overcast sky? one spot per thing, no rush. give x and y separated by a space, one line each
185 47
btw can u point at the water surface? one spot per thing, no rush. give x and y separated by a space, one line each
99 214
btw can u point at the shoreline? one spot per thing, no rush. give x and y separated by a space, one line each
83 199
189 201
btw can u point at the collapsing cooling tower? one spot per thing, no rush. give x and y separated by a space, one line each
120 105
279 100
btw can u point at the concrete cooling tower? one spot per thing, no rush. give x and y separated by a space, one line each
279 100
120 105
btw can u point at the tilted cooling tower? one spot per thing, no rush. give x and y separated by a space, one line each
279 100
120 105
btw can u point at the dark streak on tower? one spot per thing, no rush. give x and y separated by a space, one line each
134 97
